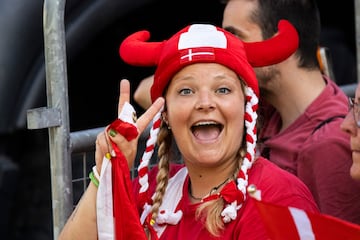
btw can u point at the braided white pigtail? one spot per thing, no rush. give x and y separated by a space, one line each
143 168
230 211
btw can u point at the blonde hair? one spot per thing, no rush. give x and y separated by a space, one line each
164 141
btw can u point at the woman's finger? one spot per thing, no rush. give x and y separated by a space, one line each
146 118
109 150
124 94
102 149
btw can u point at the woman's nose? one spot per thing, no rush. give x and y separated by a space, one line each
205 101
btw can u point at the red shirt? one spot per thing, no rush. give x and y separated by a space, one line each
320 158
276 185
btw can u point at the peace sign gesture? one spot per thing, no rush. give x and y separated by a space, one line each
128 148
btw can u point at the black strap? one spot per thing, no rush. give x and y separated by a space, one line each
326 121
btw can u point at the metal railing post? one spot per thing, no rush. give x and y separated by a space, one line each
57 97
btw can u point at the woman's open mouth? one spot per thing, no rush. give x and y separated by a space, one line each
208 130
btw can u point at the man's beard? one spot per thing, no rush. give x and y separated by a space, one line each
266 77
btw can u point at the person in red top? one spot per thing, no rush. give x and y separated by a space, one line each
205 99
302 109
351 125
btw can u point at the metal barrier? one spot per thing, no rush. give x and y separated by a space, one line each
55 117
68 151
74 151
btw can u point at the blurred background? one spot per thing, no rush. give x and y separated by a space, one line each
94 30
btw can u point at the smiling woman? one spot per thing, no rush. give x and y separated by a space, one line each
207 94
203 96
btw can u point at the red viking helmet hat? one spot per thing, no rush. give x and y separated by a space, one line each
207 43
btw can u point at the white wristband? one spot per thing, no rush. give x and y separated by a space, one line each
96 174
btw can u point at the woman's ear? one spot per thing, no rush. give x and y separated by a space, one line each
164 117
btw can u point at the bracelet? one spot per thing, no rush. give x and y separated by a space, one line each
93 179
96 174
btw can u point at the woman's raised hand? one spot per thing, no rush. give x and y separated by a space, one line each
128 148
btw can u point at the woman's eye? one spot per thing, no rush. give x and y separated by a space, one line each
185 91
223 90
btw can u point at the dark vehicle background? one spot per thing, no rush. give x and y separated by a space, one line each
94 30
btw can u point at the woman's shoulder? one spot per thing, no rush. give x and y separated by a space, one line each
268 175
279 186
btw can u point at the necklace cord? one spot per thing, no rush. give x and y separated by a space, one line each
212 191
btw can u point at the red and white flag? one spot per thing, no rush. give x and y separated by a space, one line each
289 223
117 216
